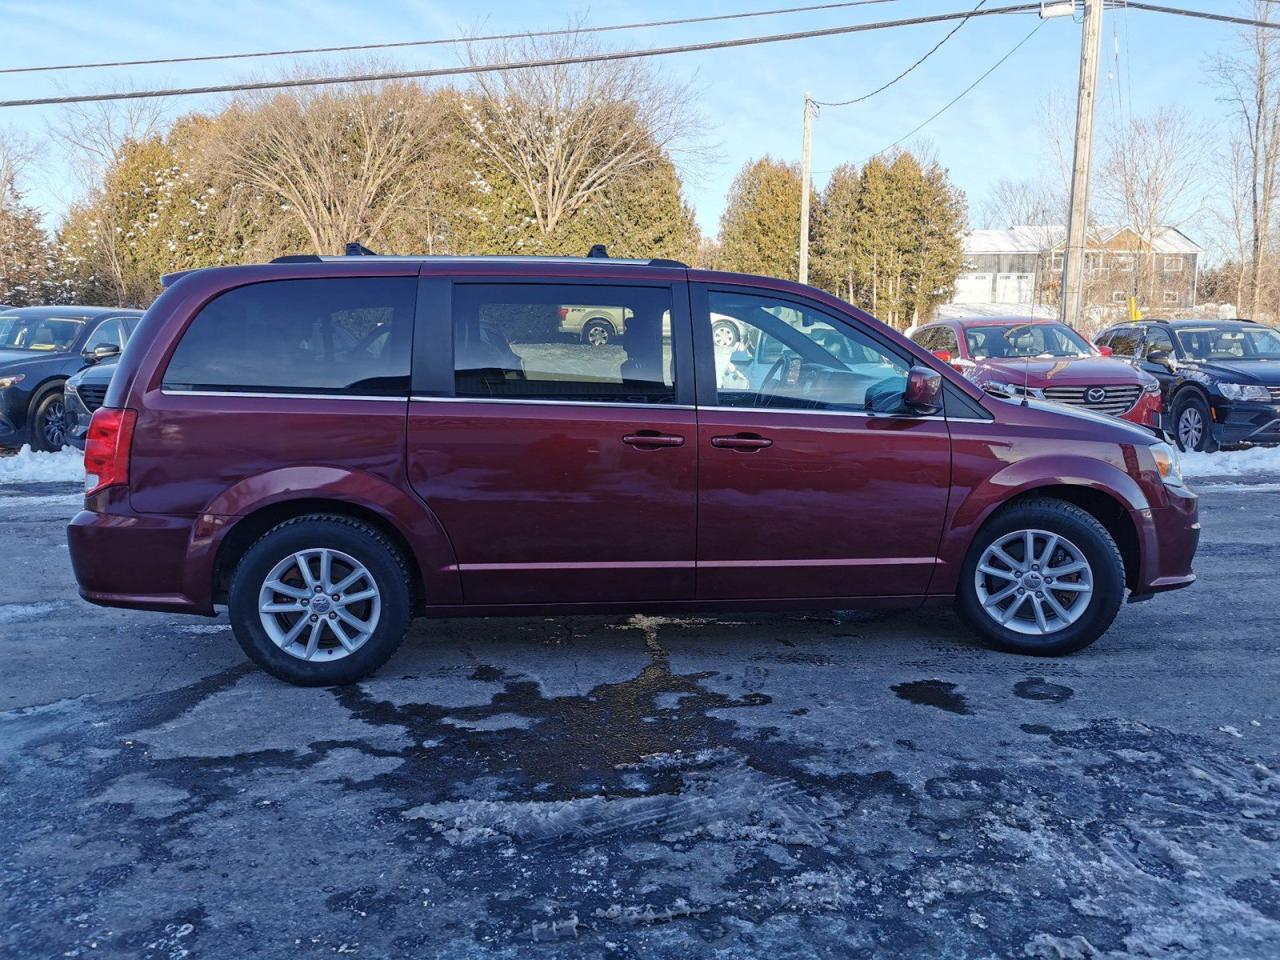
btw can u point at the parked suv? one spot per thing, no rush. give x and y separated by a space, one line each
332 445
40 347
1220 378
1046 359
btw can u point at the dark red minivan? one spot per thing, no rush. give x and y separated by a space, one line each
333 445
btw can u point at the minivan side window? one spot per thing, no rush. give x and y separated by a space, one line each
335 336
568 342
793 357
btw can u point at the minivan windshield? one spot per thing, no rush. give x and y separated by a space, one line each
49 334
1000 341
1229 342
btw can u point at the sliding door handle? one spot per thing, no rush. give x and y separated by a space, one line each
742 441
649 439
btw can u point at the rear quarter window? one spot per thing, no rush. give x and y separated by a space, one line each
340 336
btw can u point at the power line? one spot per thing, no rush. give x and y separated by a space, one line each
448 40
519 64
934 49
961 95
1203 15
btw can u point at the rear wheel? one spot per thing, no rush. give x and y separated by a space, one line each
1043 578
597 333
1192 426
320 600
724 333
48 423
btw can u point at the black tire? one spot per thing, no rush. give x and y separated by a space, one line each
597 332
47 426
1081 529
379 556
1191 404
723 329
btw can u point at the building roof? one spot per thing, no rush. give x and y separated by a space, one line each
1026 238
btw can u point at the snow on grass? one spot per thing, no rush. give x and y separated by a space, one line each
27 466
1250 462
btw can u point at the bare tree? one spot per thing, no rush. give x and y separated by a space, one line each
342 161
94 137
1250 81
1013 202
565 133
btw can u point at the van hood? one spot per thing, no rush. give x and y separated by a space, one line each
1062 371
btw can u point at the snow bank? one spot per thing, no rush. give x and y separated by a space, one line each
1251 462
26 466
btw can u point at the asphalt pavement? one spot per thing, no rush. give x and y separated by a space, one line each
789 786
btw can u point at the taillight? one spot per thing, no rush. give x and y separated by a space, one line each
564 312
106 449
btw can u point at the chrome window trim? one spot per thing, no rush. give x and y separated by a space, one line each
555 403
278 396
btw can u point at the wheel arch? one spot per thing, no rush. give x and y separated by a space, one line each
246 511
1099 488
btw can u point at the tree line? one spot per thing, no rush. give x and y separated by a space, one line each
547 161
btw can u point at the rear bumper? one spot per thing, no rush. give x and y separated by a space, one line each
143 562
1169 535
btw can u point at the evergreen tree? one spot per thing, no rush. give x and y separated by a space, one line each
835 239
760 228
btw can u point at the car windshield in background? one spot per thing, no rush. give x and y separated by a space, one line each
49 334
1229 343
1025 340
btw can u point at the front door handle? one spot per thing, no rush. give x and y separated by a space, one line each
742 441
648 439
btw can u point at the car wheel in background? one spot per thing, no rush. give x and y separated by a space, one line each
1043 577
597 332
724 334
48 423
320 600
1192 427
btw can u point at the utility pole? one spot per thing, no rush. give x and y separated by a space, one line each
810 108
1073 263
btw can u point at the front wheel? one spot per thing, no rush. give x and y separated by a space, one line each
1043 578
1192 427
320 600
48 424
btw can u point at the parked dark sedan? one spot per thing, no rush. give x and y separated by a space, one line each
85 393
40 347
1220 378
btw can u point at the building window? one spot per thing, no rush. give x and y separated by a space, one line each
1117 296
1170 298
1172 264
1055 262
1124 262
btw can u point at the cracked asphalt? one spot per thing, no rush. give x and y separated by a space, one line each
787 786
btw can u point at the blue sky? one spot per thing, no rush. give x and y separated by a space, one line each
749 99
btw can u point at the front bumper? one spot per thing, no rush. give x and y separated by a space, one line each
1241 421
1169 535
1147 411
75 420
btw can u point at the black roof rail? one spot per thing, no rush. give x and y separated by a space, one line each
358 250
597 253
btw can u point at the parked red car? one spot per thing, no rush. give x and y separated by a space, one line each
331 445
1046 359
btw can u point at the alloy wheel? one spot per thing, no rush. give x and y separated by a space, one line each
319 604
597 335
1034 582
1190 428
724 335
53 429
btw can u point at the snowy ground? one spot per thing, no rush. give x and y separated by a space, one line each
781 786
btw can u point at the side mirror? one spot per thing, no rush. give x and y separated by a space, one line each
943 355
1161 357
740 358
924 391
1105 351
102 351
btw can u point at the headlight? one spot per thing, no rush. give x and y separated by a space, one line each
1167 464
1002 389
1152 386
12 381
69 389
1244 391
